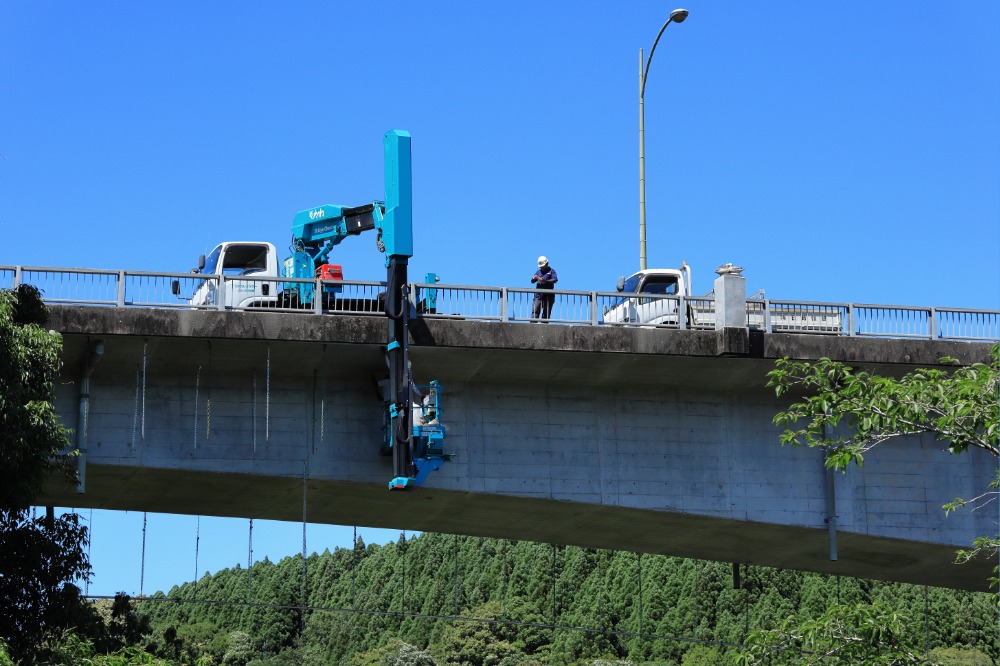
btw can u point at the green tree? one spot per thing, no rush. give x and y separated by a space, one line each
240 649
32 438
39 557
847 413
959 657
702 655
407 655
479 643
860 634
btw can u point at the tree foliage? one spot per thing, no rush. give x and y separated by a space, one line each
527 595
958 406
31 435
38 560
845 635
41 557
847 413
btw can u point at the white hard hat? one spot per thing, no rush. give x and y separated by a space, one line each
542 260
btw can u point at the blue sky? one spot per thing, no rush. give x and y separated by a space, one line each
837 153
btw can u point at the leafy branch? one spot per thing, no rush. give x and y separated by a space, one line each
958 406
844 634
848 413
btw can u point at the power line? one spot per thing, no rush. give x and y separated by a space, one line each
427 616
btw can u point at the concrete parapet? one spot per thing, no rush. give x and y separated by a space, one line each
730 301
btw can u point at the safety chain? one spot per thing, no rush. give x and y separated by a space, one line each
312 425
208 395
253 411
145 345
86 587
604 583
142 564
267 396
249 561
402 597
354 566
927 624
697 601
305 480
86 417
454 593
322 402
553 571
197 543
746 606
506 578
638 561
135 408
197 385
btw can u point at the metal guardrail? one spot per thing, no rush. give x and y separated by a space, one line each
75 286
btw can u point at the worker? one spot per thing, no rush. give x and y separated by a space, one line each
544 279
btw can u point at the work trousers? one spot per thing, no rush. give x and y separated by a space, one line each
541 308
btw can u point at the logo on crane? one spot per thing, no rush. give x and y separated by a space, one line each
317 214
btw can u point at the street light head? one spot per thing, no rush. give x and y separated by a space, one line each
678 15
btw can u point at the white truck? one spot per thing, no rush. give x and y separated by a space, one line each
236 259
253 277
654 297
663 290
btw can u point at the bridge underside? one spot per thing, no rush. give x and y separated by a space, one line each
521 518
653 441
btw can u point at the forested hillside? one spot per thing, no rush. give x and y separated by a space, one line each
551 604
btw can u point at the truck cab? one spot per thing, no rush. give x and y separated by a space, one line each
235 259
665 286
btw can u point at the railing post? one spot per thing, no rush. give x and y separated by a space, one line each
318 296
220 293
851 328
593 308
932 322
504 312
17 276
120 299
414 295
767 316
682 313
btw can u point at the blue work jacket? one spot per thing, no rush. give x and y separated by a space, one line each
549 274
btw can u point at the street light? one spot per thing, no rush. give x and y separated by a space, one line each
676 16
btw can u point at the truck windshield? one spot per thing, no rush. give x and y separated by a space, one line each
660 284
244 259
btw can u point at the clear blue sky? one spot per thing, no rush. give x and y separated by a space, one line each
837 152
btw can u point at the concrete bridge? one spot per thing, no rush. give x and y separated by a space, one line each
650 440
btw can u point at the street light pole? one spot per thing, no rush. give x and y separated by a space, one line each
676 16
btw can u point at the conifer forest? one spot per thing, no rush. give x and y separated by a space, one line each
449 599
